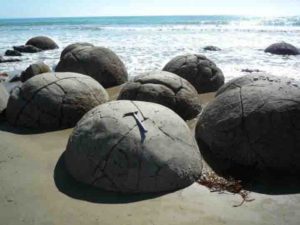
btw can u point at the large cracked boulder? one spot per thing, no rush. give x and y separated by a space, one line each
71 47
42 42
109 149
3 98
54 100
33 70
198 70
166 89
254 123
100 63
282 48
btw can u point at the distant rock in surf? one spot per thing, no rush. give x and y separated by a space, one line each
211 48
282 48
26 49
42 42
13 53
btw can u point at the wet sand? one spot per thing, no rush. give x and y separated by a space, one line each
36 189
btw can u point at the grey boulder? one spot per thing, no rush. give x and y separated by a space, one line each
166 89
13 53
200 71
110 150
42 42
26 49
282 48
34 69
71 47
254 123
211 48
100 63
54 100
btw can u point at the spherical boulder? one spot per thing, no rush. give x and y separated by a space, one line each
132 147
282 48
100 63
42 42
71 47
34 69
254 124
54 100
200 71
166 89
3 98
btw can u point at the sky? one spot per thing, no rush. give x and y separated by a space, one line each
84 8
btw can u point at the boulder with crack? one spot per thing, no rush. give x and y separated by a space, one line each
132 147
54 100
166 89
198 70
33 70
254 123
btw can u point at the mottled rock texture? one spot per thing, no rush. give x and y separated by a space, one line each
42 42
100 63
254 123
54 100
34 69
109 150
282 48
71 47
166 89
200 71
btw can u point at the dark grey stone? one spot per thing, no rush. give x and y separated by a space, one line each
3 98
71 47
34 69
26 49
13 53
42 42
200 71
211 48
254 123
54 100
282 48
100 63
166 89
109 150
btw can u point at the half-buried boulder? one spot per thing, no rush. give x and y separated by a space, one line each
42 42
200 71
34 69
100 63
282 48
71 47
254 124
54 100
166 89
133 147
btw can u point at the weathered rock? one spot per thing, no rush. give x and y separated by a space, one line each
211 48
26 49
100 63
254 124
109 150
15 78
42 42
3 98
251 70
2 60
201 72
54 101
282 48
166 89
34 69
71 47
13 53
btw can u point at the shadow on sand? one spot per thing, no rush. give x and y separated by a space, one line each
271 183
69 186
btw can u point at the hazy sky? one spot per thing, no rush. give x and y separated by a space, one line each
70 8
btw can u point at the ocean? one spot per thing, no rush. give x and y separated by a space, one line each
148 43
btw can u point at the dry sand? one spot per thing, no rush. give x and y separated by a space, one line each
36 189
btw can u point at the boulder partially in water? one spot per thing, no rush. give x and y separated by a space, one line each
71 47
113 150
54 100
42 42
34 69
200 71
13 53
100 63
254 124
166 89
27 49
211 48
282 48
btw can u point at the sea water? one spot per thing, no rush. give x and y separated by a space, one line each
148 43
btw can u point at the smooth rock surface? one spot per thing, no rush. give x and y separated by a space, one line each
166 89
33 70
54 100
100 63
71 47
282 48
42 42
108 149
200 71
254 123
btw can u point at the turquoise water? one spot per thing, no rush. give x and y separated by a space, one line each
147 43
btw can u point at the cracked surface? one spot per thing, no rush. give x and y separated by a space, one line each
54 100
254 122
200 71
166 89
100 63
105 149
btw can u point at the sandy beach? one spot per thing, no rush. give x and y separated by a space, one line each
36 189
